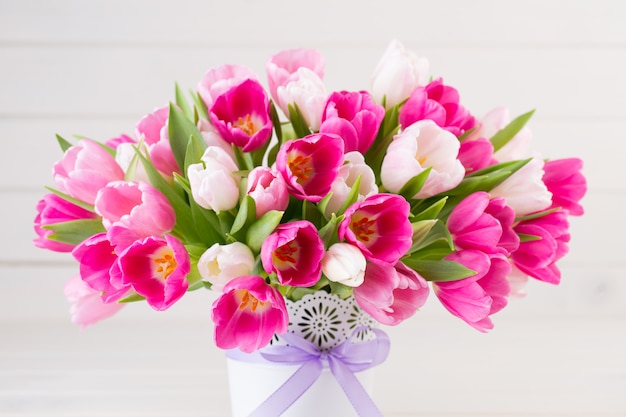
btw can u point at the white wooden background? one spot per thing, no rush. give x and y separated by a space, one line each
95 67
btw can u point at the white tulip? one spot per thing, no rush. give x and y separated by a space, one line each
221 263
345 264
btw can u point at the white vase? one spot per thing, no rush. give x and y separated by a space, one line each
325 320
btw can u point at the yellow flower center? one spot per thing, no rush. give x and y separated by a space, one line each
246 124
286 253
249 301
363 229
301 167
164 263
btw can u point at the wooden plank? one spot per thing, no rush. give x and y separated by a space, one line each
131 81
356 22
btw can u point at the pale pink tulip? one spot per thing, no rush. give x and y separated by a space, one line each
221 263
418 147
268 189
87 307
213 184
525 190
305 90
221 79
391 294
353 167
152 130
282 67
84 169
132 211
248 314
397 74
344 263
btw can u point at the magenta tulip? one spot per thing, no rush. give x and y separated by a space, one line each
241 116
391 294
538 258
440 103
52 209
353 116
310 165
566 183
248 314
379 226
156 268
476 154
294 253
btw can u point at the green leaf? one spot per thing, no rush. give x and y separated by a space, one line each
421 229
180 130
276 122
439 271
537 215
414 185
181 102
245 216
300 126
328 233
527 238
431 212
74 232
352 196
438 233
194 153
72 200
200 105
503 136
323 204
64 144
132 298
262 228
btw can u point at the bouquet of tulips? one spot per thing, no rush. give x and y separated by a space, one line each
266 194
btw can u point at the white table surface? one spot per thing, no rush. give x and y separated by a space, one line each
165 367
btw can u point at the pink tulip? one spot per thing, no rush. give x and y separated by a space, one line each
310 165
52 209
213 183
98 268
476 298
379 226
483 224
84 169
294 252
355 117
397 74
391 294
152 129
538 258
476 154
354 167
283 67
248 314
307 91
418 147
566 183
221 79
525 190
115 142
156 268
440 103
87 306
132 211
268 189
241 116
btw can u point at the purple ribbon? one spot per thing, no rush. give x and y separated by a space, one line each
343 360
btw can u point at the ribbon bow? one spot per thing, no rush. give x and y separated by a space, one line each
343 360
